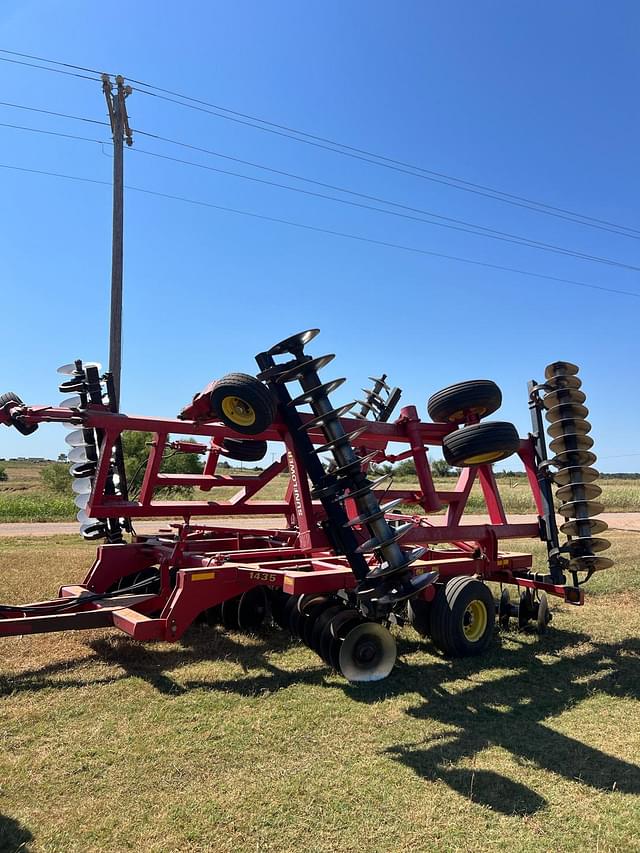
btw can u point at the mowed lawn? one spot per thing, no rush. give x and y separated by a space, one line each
228 742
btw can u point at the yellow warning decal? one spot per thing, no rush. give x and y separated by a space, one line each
288 583
204 576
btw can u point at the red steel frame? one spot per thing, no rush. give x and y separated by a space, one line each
202 565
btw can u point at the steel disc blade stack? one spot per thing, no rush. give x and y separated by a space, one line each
391 580
577 491
85 384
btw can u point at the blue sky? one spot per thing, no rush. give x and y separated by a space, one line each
537 100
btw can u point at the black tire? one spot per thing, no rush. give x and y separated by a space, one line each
243 403
12 397
453 404
244 451
480 444
462 617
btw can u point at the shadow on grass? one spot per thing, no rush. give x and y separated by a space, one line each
14 836
198 644
511 712
155 665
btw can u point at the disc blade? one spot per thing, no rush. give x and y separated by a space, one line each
322 419
252 608
319 390
565 381
366 517
368 653
571 441
347 438
75 438
584 527
78 454
580 509
229 613
81 501
578 492
558 368
92 527
571 458
294 342
304 367
570 425
374 543
585 546
71 402
411 588
332 636
590 564
563 395
83 518
83 469
70 369
72 386
83 486
565 411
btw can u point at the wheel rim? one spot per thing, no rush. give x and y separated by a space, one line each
475 621
480 458
460 415
238 411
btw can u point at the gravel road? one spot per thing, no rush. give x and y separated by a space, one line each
615 520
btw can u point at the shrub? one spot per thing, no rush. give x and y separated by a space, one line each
56 478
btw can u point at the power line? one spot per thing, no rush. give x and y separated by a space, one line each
355 193
53 113
318 229
449 222
55 133
502 236
620 456
43 68
51 61
348 150
417 172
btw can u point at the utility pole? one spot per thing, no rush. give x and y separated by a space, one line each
116 105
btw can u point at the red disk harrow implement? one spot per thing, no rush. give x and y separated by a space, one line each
350 559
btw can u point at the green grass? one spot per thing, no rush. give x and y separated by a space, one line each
228 742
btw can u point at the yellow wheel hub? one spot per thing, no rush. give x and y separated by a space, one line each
238 411
475 620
